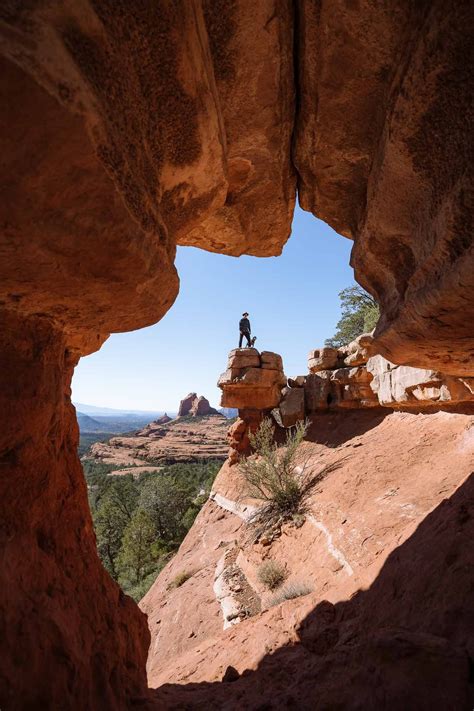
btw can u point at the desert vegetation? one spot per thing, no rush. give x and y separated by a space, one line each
140 522
360 313
290 592
271 574
280 477
180 579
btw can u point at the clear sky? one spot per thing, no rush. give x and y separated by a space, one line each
293 305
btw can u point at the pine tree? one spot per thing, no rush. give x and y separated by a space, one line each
360 313
137 555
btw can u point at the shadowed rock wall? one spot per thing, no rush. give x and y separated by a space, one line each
70 637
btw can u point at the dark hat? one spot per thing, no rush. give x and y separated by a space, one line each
245 313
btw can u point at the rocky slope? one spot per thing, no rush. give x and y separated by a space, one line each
388 463
194 123
384 547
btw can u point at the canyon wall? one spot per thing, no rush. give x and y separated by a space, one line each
128 129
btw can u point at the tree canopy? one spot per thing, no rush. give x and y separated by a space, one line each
140 522
360 313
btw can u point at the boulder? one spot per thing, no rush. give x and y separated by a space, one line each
248 384
292 408
296 381
244 358
271 361
359 350
252 397
353 376
397 385
318 393
323 359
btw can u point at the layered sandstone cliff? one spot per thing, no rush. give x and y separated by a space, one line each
352 377
181 440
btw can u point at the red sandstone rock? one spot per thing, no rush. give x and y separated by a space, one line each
380 156
257 112
188 440
70 638
249 383
323 359
380 548
194 406
401 385
292 407
127 128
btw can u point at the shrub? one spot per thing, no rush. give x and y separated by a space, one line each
280 477
140 589
271 574
290 592
180 579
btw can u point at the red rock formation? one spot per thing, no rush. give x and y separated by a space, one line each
180 440
164 419
194 406
380 150
385 547
252 381
70 637
129 128
257 111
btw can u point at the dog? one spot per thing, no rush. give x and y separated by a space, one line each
252 342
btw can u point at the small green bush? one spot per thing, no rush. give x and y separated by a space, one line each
290 592
271 574
180 579
280 477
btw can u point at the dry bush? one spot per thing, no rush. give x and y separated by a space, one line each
180 579
290 592
279 477
271 574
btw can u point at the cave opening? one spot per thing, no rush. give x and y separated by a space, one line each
127 394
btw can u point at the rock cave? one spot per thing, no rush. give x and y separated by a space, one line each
128 129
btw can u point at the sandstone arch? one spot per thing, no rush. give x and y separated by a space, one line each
129 128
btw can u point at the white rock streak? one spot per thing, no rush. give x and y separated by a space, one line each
224 595
245 512
335 552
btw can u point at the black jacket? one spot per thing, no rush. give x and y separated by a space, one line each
244 325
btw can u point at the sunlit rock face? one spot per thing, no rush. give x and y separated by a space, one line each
252 381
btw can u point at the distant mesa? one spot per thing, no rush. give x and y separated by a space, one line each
194 406
163 420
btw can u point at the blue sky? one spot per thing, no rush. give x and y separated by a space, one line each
293 305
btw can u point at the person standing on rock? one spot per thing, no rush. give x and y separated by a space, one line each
244 328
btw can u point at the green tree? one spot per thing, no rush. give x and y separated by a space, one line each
123 492
166 502
109 523
138 554
360 313
115 502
